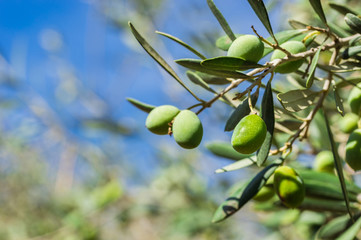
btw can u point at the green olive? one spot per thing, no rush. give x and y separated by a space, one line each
289 186
353 150
159 118
187 129
324 162
291 66
354 99
349 122
264 194
249 134
248 47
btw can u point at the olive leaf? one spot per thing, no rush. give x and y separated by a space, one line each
240 112
316 5
351 51
225 42
338 165
311 73
195 64
177 40
338 102
333 228
297 100
150 50
348 81
141 105
260 9
351 232
297 24
317 204
215 80
268 116
343 67
353 22
338 30
225 149
341 8
105 124
222 21
229 63
245 193
237 165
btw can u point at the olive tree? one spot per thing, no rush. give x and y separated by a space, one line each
273 122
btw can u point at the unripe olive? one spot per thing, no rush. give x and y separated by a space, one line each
354 99
159 118
291 66
289 186
249 134
353 150
187 129
324 162
349 122
264 194
248 47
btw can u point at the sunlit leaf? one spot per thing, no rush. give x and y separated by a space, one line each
260 9
338 30
353 81
240 112
267 114
311 73
237 165
324 205
297 100
297 24
281 37
222 21
354 22
333 227
199 81
238 199
225 149
150 50
141 105
338 165
344 67
229 63
211 79
316 5
182 43
195 64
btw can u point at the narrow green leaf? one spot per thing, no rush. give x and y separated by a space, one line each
341 8
348 81
311 175
351 51
351 232
297 24
323 205
311 73
225 149
260 9
141 105
316 5
354 22
268 116
338 165
334 227
195 64
177 40
108 125
150 50
237 165
229 63
199 81
297 100
238 199
225 42
222 21
343 67
325 190
338 101
240 112
210 79
335 28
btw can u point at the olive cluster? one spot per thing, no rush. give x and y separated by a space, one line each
184 125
